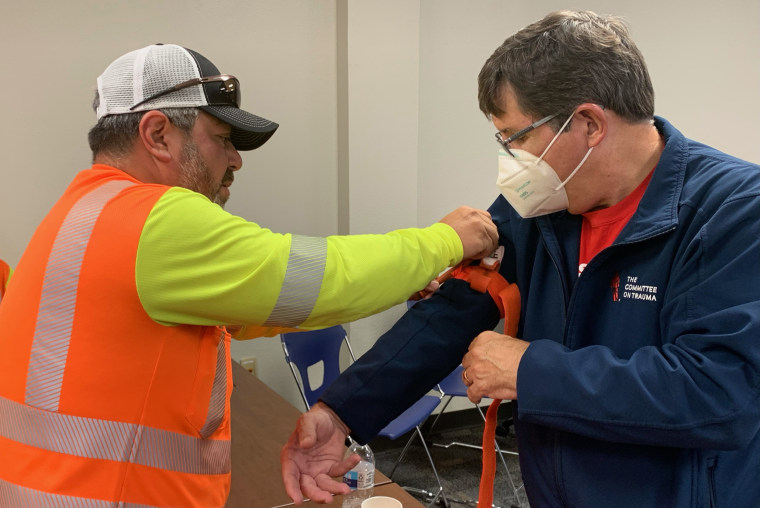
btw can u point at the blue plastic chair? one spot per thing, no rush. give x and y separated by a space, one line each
305 351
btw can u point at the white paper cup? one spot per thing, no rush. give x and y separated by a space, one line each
381 502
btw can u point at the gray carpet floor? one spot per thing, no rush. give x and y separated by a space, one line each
458 465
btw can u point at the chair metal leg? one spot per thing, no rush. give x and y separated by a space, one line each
440 492
401 456
434 495
445 405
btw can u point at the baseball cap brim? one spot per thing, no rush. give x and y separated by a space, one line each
248 130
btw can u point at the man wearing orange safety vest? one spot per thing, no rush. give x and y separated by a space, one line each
114 354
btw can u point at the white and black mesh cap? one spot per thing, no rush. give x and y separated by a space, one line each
146 72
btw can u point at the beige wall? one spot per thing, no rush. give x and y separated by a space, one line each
376 101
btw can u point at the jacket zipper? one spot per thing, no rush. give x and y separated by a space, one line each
567 306
711 463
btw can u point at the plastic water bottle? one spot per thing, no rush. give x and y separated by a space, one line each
361 478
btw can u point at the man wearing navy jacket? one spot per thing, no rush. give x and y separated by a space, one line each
637 255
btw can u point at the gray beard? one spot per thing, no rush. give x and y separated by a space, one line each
196 175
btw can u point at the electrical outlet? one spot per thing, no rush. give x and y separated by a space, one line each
249 364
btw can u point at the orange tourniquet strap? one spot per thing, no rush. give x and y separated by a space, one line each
507 298
485 493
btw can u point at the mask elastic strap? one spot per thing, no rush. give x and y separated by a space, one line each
575 170
556 136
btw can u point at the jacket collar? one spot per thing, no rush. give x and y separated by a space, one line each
657 212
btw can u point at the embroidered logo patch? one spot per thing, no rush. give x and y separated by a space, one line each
615 286
632 289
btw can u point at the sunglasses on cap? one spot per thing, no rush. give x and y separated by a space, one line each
228 92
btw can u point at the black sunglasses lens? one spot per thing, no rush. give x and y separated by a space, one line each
229 92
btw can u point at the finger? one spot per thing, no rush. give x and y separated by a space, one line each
481 338
311 490
328 484
483 214
427 292
290 478
473 396
347 465
490 229
431 288
491 232
305 433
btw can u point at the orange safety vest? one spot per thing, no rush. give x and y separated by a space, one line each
5 272
99 404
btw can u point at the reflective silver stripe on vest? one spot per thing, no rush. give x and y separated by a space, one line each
14 495
218 392
52 334
303 280
108 440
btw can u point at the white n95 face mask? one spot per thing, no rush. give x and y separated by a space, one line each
530 184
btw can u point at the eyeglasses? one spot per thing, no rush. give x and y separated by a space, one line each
228 92
517 135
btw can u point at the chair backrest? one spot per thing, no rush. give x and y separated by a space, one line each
305 350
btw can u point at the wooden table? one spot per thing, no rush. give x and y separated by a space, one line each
261 423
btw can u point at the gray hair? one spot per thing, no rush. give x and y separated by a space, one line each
114 135
566 59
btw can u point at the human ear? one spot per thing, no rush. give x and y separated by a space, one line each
594 122
154 135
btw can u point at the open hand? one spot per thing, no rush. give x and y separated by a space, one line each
313 456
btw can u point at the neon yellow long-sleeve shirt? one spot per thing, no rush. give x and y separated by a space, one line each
198 264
